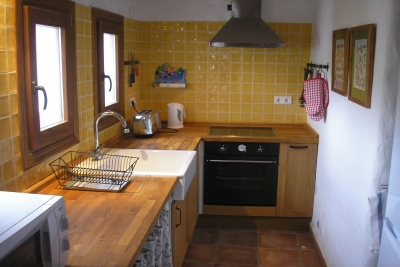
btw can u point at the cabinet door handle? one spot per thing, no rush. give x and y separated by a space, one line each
180 217
299 147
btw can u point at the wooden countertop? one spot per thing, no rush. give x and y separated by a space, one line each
109 229
188 138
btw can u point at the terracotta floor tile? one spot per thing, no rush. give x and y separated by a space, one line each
243 238
234 265
205 236
275 239
200 253
309 258
305 241
250 248
280 257
196 264
237 255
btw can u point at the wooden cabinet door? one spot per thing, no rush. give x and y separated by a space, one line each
184 219
296 180
179 227
193 206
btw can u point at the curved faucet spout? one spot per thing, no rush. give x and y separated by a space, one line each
96 128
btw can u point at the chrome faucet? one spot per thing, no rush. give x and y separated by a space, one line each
97 154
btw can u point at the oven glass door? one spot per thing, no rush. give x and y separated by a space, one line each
240 181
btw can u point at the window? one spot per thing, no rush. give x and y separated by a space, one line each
47 78
108 58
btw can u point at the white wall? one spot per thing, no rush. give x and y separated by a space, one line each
355 143
297 11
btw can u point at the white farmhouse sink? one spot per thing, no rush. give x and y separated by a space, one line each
163 163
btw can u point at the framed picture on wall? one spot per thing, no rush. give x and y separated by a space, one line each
362 46
340 61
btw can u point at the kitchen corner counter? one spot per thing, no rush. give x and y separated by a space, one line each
109 229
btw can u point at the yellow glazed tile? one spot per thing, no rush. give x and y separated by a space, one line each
237 67
10 17
247 98
202 47
9 170
191 36
247 78
214 26
270 58
283 27
4 57
294 27
282 58
191 26
14 104
270 78
5 126
203 36
246 110
202 26
3 83
237 57
306 28
258 78
168 26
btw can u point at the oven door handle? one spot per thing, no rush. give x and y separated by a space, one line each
243 161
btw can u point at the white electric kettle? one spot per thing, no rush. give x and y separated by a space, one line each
176 113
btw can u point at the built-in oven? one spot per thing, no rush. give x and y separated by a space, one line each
240 173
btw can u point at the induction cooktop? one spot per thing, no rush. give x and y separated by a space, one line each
242 131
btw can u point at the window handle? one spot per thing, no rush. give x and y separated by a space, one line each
107 77
41 88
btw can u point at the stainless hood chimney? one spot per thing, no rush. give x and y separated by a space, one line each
246 28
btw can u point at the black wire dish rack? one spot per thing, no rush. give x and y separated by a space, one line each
80 170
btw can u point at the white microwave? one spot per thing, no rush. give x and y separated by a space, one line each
33 230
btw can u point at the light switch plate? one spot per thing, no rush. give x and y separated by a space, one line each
283 100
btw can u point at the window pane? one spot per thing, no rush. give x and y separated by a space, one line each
49 75
110 67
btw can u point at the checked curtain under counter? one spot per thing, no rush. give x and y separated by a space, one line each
157 251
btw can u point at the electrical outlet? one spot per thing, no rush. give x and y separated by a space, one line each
132 102
283 100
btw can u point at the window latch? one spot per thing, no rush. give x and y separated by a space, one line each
41 88
107 77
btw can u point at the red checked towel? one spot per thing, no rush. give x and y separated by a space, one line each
316 95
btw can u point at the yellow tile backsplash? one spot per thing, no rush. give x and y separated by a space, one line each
224 84
243 79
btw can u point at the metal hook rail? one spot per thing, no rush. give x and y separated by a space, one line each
319 66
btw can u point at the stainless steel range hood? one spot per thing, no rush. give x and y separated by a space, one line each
246 28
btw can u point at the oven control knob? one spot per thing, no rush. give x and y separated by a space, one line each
242 148
223 149
260 150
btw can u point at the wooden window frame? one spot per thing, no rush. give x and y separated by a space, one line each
107 22
36 145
